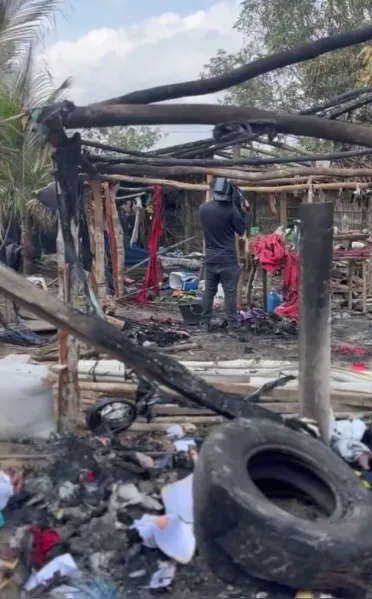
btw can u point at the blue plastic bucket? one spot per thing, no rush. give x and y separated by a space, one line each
273 301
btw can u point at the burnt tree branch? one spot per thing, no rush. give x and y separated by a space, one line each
102 161
258 67
212 114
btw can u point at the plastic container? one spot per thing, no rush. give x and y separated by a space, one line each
273 301
191 312
183 281
27 409
255 231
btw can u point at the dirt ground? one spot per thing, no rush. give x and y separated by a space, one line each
346 329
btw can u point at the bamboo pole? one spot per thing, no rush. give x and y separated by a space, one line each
254 187
287 180
305 186
120 241
145 170
357 399
165 182
99 245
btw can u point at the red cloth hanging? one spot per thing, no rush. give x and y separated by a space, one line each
274 256
152 274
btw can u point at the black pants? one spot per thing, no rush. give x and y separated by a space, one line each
228 276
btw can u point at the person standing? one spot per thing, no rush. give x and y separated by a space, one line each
222 218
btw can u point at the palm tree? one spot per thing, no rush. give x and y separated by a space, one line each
22 22
24 165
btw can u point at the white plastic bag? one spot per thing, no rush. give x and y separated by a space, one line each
6 489
26 401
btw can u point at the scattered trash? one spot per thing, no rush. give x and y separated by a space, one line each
163 577
42 542
94 588
137 573
346 439
63 565
124 494
175 431
260 322
170 534
177 499
158 335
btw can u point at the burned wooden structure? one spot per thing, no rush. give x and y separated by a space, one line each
233 127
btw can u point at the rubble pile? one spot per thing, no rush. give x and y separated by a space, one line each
100 514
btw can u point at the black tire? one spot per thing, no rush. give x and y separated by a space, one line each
234 520
98 424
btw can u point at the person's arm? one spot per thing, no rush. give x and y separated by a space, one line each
202 216
239 220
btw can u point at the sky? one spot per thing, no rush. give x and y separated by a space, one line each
112 47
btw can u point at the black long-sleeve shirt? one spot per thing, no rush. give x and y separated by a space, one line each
220 221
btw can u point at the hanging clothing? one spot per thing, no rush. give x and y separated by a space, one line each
274 256
135 232
153 270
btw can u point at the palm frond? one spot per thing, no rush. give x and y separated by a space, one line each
24 164
22 21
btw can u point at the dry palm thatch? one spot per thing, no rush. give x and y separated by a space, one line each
44 219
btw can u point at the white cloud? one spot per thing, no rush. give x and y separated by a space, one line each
169 48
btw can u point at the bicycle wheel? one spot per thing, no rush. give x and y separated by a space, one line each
111 416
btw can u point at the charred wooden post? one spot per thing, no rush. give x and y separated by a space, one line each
66 160
88 209
99 253
316 252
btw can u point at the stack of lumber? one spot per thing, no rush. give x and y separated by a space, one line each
351 393
340 280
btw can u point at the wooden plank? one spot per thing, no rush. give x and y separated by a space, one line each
128 391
